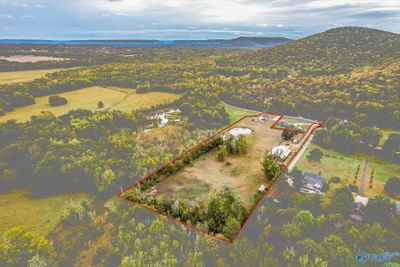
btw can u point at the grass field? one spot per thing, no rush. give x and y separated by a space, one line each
236 113
344 166
113 98
24 76
39 215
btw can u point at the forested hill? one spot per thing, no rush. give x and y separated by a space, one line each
334 51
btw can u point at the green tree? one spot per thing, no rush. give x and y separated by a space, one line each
380 209
221 153
392 187
342 201
288 135
271 166
100 104
19 246
231 228
315 155
56 100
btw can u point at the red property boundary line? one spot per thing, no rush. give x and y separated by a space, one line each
289 130
119 195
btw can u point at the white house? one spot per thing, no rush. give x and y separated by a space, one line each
281 151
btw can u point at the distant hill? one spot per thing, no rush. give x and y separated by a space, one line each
254 42
334 51
240 42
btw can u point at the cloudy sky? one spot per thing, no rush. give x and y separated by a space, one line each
189 19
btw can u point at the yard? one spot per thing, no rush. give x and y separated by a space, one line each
113 98
347 165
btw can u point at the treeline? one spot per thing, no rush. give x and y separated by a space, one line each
221 213
349 137
84 151
364 94
286 230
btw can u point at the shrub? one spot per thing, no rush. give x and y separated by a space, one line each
56 100
335 180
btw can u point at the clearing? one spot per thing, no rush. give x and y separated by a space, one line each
25 75
241 173
236 113
39 215
123 99
31 58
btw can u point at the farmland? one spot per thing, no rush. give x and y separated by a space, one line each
123 99
24 76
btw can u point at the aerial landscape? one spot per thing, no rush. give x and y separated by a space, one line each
180 133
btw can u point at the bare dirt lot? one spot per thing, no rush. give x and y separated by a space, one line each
31 58
241 173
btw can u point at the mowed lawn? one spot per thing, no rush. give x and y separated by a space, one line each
344 166
123 99
39 215
24 76
236 113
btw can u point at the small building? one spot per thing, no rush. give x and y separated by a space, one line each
264 117
315 181
398 208
262 188
361 200
281 151
283 123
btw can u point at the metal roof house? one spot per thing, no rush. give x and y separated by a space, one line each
315 180
281 151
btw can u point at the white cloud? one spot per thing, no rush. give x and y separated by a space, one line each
7 16
20 4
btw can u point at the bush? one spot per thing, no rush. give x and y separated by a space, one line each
392 187
353 188
100 104
56 100
336 180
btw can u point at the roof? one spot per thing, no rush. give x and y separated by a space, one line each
362 200
313 178
282 151
398 207
262 187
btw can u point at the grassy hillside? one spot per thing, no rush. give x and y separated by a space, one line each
336 50
113 98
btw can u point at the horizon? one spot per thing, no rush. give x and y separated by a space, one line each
189 20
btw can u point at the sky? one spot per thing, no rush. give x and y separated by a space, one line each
189 19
